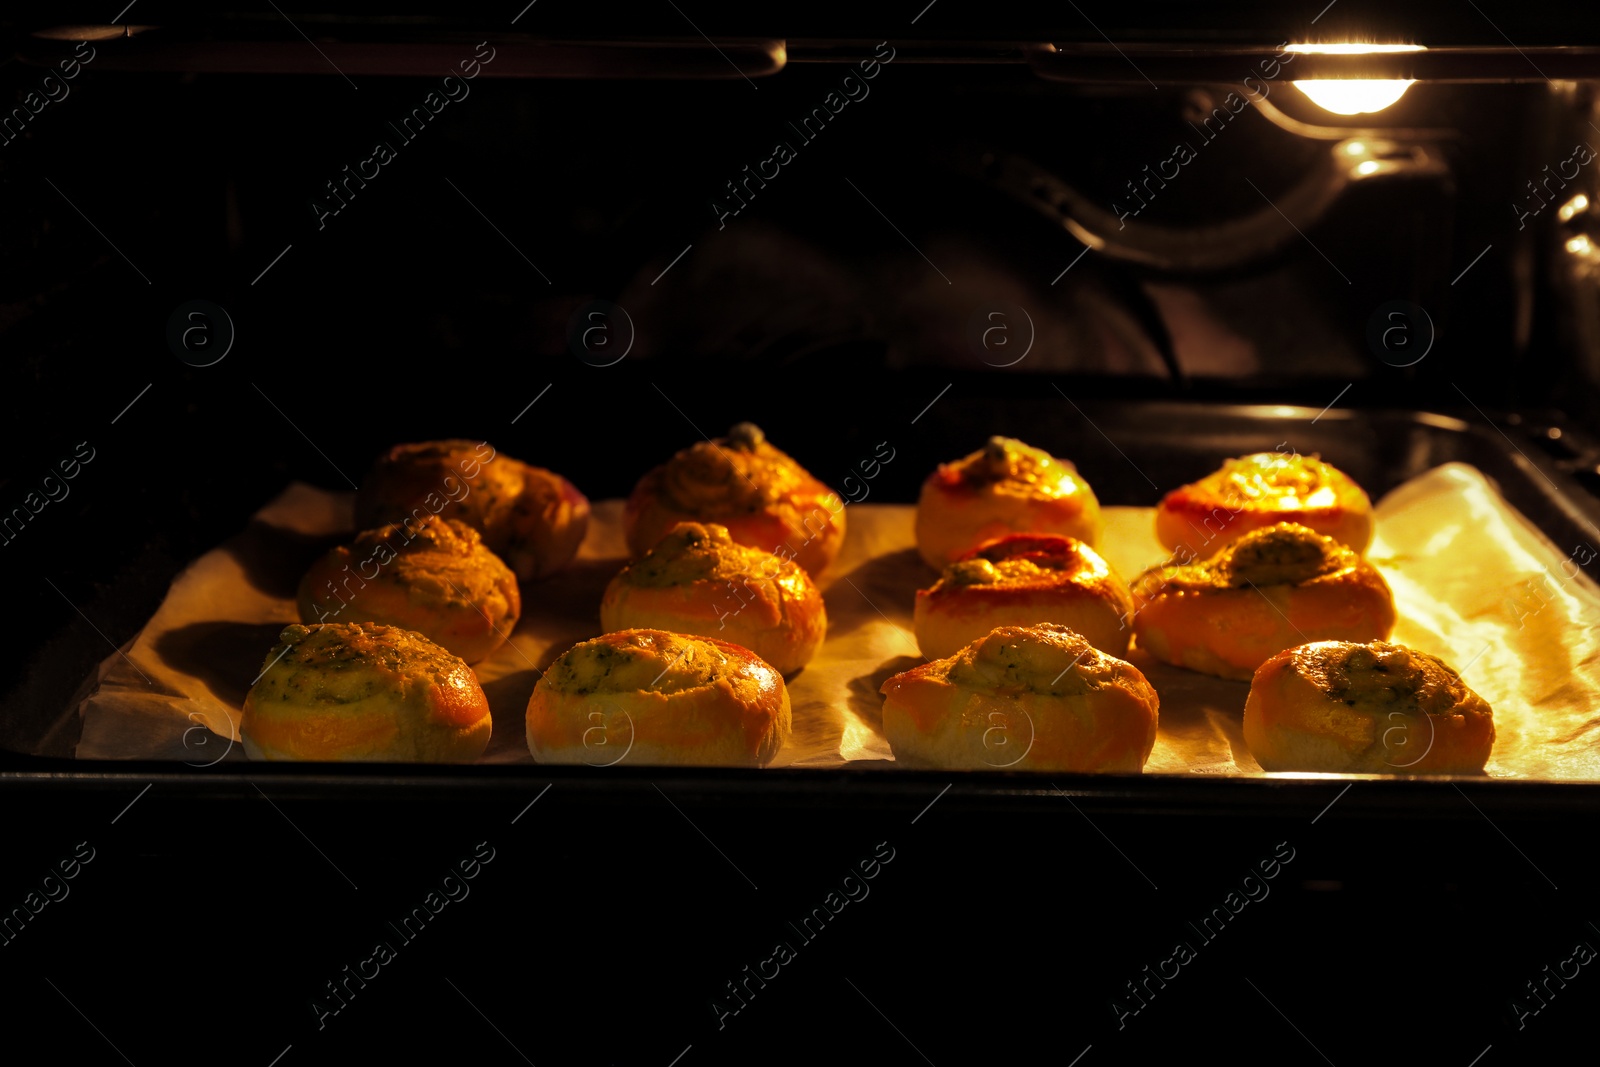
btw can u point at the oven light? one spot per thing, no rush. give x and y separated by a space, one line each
1353 96
1572 207
1352 49
1356 148
1368 167
1579 245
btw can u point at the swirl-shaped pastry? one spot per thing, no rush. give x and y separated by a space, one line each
436 578
764 498
652 697
698 580
1022 580
1272 589
1004 487
532 518
1374 708
1026 697
1258 490
364 692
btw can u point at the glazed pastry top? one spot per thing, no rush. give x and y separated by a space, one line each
441 560
1026 561
1047 659
340 663
740 474
1006 465
1271 481
1381 677
705 552
633 660
1282 554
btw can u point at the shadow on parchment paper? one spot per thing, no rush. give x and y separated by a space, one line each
274 559
508 707
557 613
226 656
865 699
1201 719
887 584
568 602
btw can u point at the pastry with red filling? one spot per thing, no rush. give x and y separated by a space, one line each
1022 580
1261 490
1005 487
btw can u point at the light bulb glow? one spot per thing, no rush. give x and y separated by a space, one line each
1352 48
1354 96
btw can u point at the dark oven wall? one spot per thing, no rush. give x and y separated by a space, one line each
216 284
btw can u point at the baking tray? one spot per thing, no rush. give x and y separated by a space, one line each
1130 451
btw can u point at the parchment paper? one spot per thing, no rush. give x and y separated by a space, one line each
1475 583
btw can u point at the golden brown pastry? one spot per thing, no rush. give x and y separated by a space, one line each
1259 490
698 580
1272 589
1374 708
764 498
1004 487
434 577
1035 698
1021 580
532 518
364 692
652 697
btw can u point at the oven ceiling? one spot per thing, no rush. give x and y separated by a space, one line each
1492 24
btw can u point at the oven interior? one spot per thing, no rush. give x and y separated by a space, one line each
933 231
994 233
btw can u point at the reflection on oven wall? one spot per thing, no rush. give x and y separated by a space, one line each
1148 240
1562 201
1195 269
936 219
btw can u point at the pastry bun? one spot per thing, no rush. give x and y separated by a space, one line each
1021 580
532 518
1259 490
1035 698
1272 589
697 580
652 697
1004 487
1373 708
435 578
364 692
764 498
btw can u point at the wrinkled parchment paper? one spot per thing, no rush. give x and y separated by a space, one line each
1474 582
